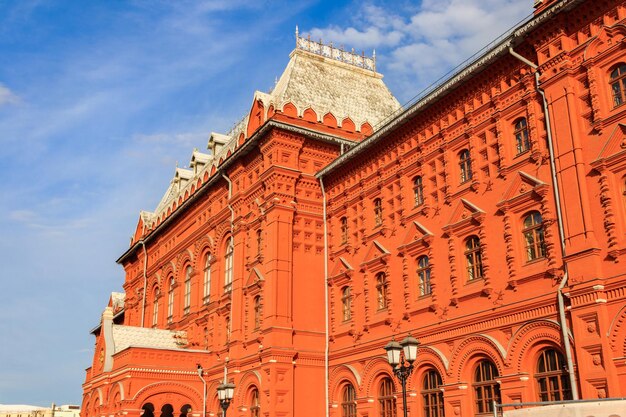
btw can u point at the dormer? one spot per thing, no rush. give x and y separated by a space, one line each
199 160
541 5
182 176
217 142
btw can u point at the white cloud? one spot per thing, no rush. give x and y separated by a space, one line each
417 46
7 96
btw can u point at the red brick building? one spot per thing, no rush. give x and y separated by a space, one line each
487 219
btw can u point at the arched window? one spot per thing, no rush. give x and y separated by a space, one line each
381 290
155 307
206 285
167 410
170 301
423 273
386 399
618 85
184 410
348 401
344 230
257 312
418 191
346 303
148 410
486 388
228 265
255 404
533 236
552 377
259 242
465 166
522 143
378 212
473 258
432 395
187 304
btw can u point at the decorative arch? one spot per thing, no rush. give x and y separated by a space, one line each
532 335
599 43
169 270
339 376
617 332
222 232
117 388
190 395
184 258
428 356
329 120
367 129
348 124
375 370
204 244
290 110
250 379
309 115
100 398
474 346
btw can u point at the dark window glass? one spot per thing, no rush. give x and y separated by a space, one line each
386 399
533 236
618 85
378 212
552 377
348 401
522 143
473 258
381 291
346 303
486 388
418 191
423 273
465 166
432 395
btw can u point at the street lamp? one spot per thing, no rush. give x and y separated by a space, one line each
402 364
225 393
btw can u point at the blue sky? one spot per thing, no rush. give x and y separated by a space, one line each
100 99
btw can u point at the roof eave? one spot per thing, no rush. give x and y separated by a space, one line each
240 151
442 90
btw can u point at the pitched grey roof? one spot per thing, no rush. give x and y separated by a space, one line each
327 85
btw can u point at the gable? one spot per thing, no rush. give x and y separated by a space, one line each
341 267
465 210
416 236
254 277
521 185
614 145
376 253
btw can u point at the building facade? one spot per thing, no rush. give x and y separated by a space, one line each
487 219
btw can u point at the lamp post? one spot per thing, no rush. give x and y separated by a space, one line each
225 392
200 374
402 364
